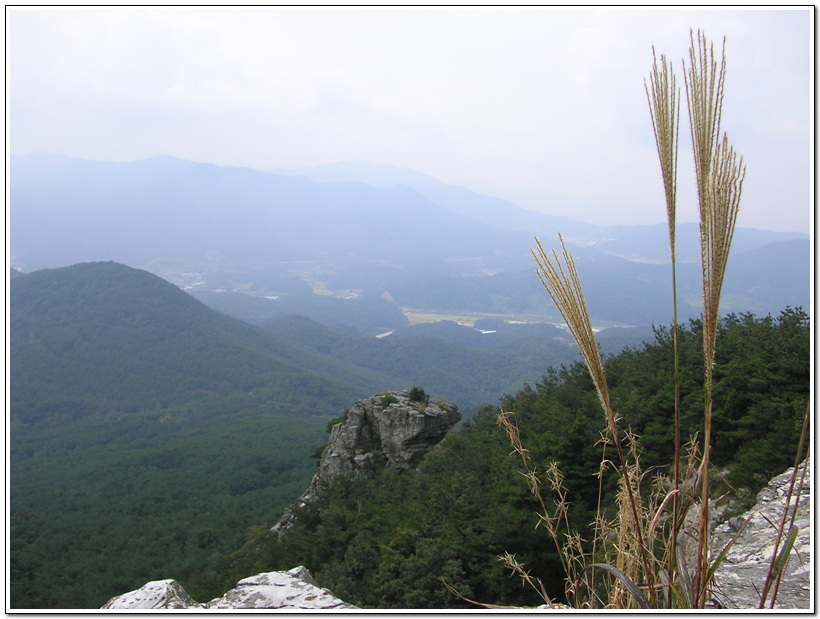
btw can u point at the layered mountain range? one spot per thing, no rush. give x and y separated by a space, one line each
368 232
151 431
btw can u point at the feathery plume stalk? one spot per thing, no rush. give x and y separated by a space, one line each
663 97
719 176
704 96
564 288
664 108
718 221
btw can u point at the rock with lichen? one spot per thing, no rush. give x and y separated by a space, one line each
394 428
291 590
744 570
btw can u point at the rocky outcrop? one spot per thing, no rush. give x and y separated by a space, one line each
739 579
394 428
390 429
155 594
744 569
294 589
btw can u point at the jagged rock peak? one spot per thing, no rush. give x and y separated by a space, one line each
393 428
294 589
166 593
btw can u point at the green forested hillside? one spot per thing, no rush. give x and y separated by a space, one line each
97 337
148 432
468 372
100 507
145 424
387 542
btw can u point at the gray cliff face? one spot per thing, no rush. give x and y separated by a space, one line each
386 429
744 570
374 435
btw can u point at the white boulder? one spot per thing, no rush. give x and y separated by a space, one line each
166 593
294 589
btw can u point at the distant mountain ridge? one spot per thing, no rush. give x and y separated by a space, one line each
641 242
236 184
239 217
40 168
495 211
359 229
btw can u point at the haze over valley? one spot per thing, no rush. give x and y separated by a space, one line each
368 236
272 299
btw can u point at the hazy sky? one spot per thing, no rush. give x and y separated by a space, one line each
543 107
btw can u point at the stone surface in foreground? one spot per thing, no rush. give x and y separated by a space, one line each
155 594
294 589
746 565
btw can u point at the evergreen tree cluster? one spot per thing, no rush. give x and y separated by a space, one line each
391 540
149 433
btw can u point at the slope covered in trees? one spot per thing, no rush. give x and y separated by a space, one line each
149 432
98 337
389 541
102 505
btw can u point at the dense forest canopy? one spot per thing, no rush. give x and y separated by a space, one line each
389 541
150 433
101 506
100 337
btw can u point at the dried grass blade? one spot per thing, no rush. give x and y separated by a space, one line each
452 590
639 596
659 512
716 563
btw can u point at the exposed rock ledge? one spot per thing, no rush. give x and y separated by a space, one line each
739 577
742 572
388 429
744 569
294 589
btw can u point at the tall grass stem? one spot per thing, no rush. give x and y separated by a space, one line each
663 97
564 288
